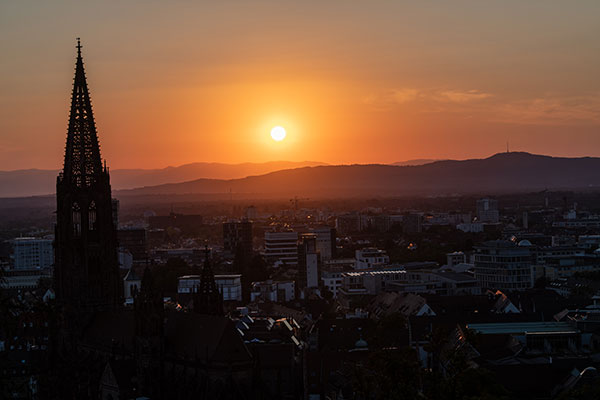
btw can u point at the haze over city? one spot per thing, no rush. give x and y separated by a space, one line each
242 200
350 82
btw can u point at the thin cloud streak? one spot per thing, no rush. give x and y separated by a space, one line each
544 110
393 97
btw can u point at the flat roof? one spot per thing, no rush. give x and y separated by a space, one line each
378 272
523 328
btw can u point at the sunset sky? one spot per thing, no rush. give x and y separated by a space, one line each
351 81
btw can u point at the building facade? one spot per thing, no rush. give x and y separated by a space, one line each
281 247
31 253
503 265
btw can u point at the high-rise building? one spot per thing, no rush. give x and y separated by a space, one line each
281 247
487 210
31 253
326 245
308 262
237 236
87 267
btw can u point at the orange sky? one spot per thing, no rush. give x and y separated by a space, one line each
182 81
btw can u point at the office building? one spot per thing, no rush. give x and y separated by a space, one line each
371 258
308 262
281 248
503 265
31 253
326 245
487 211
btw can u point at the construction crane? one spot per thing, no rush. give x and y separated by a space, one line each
295 201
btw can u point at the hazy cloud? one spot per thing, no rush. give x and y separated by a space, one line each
550 110
458 96
392 97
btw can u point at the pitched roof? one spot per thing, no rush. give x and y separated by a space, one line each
131 276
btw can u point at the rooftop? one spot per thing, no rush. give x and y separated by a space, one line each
522 328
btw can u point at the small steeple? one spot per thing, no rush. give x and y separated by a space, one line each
208 299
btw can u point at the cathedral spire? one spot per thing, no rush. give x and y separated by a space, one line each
86 272
82 154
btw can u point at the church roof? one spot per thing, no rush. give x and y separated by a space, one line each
188 336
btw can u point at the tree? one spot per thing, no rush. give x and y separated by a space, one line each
387 374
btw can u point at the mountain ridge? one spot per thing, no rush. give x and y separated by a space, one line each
499 173
502 172
37 182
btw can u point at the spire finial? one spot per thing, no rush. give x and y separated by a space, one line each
78 47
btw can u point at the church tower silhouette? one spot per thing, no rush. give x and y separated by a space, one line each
86 272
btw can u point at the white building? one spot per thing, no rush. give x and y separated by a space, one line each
332 280
371 258
131 283
230 286
276 291
504 265
125 259
282 247
31 253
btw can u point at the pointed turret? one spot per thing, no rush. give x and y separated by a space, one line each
207 299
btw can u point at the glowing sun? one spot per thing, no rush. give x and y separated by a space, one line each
278 133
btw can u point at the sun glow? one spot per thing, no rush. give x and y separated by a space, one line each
278 133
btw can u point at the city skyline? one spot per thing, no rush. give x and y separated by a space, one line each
350 84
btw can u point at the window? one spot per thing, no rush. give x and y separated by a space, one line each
76 220
92 216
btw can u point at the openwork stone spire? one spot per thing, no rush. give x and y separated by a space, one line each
82 154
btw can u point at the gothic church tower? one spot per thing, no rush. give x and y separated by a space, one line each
86 273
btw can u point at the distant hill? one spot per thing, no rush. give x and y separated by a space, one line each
34 182
501 173
416 161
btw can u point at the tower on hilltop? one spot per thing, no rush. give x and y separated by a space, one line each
86 273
